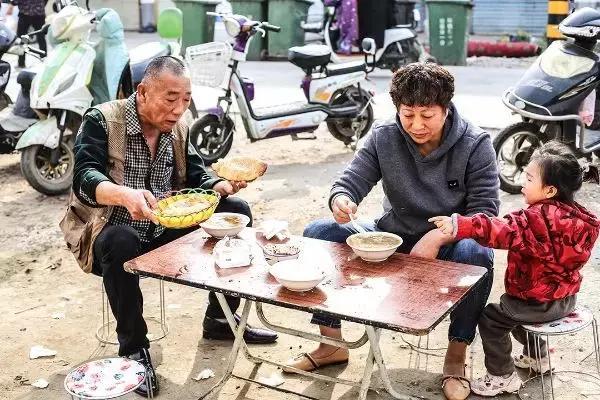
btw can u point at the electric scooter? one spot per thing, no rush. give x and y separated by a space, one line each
77 74
548 98
400 43
333 94
15 118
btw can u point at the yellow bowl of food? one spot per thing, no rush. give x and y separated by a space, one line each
186 208
374 246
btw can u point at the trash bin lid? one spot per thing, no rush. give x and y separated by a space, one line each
207 2
464 2
170 23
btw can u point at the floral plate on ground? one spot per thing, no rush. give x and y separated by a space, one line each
105 379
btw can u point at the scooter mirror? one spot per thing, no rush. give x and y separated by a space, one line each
416 15
232 27
369 46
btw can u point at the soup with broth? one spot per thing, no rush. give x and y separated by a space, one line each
374 241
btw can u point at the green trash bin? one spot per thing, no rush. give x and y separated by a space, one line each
197 26
448 30
288 14
256 10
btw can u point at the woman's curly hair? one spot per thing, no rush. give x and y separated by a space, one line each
422 84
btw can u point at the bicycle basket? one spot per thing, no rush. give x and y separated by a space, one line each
208 63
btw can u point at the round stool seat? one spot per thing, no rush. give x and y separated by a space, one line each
105 378
580 318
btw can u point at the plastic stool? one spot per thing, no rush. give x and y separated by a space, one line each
106 378
576 321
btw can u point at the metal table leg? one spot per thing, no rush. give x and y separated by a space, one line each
238 342
371 335
374 334
367 374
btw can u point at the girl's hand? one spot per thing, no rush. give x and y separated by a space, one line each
444 224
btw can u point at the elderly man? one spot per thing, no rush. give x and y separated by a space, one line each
128 153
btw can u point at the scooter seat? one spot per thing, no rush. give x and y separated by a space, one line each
346 68
586 16
309 56
140 57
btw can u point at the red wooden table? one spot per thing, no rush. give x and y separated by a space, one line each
404 293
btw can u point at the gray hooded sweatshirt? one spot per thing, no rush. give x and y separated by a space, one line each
460 176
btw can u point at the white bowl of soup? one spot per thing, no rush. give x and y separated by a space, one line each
374 246
296 275
224 224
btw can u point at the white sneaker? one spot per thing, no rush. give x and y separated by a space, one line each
526 362
491 385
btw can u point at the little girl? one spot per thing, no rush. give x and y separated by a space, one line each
548 243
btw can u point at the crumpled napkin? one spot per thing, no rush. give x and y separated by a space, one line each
275 228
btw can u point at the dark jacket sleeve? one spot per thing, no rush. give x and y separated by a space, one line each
361 175
481 179
91 157
197 175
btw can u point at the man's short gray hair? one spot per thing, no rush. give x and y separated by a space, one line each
165 64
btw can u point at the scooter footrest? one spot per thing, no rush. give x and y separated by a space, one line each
280 109
305 136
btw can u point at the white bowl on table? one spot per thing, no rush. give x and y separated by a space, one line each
383 245
296 275
219 227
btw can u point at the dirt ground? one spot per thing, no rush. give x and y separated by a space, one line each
39 279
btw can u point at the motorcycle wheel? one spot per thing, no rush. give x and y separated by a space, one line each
343 129
212 139
514 146
35 166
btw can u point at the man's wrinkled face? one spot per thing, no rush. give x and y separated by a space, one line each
164 99
423 123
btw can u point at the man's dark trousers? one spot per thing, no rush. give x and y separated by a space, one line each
117 244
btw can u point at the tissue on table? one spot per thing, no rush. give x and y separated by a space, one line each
275 228
232 253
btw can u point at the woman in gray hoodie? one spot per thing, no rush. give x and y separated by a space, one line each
430 162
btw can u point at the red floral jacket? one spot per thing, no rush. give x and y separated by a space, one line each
548 243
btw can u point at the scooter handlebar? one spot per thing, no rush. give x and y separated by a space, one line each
39 52
26 39
268 27
264 25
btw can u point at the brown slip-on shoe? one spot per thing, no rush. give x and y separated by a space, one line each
308 363
456 387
